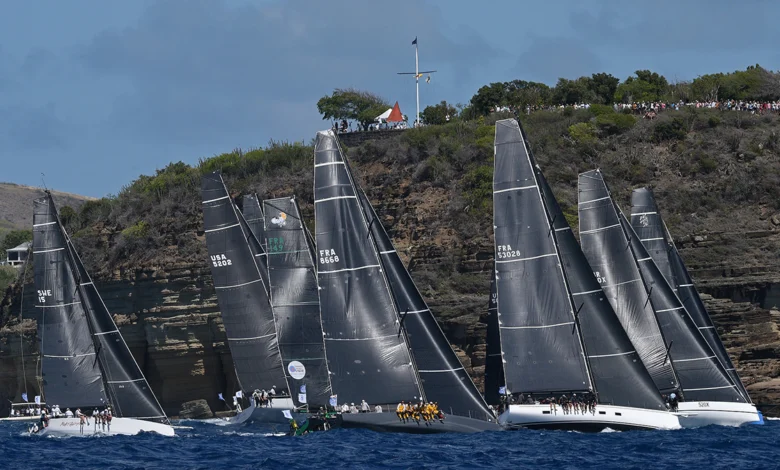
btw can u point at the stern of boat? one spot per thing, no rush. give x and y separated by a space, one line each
695 414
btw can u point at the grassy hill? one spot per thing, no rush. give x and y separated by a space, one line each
16 204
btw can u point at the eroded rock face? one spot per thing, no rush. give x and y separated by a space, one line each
195 409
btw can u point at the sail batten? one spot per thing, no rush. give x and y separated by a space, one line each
444 379
295 298
355 299
541 352
242 291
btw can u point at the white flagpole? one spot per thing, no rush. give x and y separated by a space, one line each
417 79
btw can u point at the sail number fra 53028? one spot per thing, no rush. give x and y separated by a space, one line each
328 257
506 251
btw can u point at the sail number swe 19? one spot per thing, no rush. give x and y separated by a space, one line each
328 257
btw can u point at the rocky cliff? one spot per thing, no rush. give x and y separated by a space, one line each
431 188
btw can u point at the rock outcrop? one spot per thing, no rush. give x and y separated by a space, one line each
195 409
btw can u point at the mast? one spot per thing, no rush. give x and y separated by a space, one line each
368 355
541 354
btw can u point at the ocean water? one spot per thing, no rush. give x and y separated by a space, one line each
203 445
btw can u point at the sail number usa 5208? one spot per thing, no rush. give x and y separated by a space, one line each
220 260
328 257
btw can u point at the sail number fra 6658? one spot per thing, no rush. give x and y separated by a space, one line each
328 257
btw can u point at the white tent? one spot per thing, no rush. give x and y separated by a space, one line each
384 116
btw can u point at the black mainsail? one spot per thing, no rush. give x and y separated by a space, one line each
610 256
444 379
702 377
295 299
241 291
537 321
618 373
367 349
86 362
648 224
494 365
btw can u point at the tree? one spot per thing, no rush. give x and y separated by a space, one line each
438 114
520 93
13 239
646 86
486 98
706 87
573 91
351 104
603 85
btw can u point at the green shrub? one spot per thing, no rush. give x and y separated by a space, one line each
601 109
713 121
673 129
583 133
478 188
611 124
138 230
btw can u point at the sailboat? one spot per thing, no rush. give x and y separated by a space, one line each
244 300
85 361
648 224
558 335
372 354
707 395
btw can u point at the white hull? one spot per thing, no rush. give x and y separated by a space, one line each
618 418
695 414
265 414
22 418
119 426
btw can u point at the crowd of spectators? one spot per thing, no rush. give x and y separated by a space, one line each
649 109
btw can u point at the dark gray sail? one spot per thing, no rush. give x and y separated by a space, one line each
494 366
126 387
444 379
609 254
295 299
69 365
542 352
618 373
648 224
254 218
701 375
241 292
367 352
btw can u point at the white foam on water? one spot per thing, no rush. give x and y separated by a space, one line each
772 419
609 430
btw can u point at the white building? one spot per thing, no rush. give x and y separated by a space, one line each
18 255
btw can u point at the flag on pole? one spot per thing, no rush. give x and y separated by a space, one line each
302 397
37 399
221 397
303 388
502 390
24 397
428 80
239 394
287 414
333 400
414 43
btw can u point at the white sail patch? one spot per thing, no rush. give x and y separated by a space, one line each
602 279
328 256
42 294
506 251
220 260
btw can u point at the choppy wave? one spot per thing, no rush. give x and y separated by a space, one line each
207 446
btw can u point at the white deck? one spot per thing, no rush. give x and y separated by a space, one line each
695 414
605 416
268 414
119 426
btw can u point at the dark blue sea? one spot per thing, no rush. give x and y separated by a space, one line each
209 446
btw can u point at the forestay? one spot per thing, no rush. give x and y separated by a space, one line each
295 300
542 352
124 384
444 379
619 375
701 375
648 224
609 254
367 352
241 293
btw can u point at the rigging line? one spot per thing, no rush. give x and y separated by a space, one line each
21 319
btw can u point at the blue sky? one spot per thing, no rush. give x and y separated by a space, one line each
94 93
